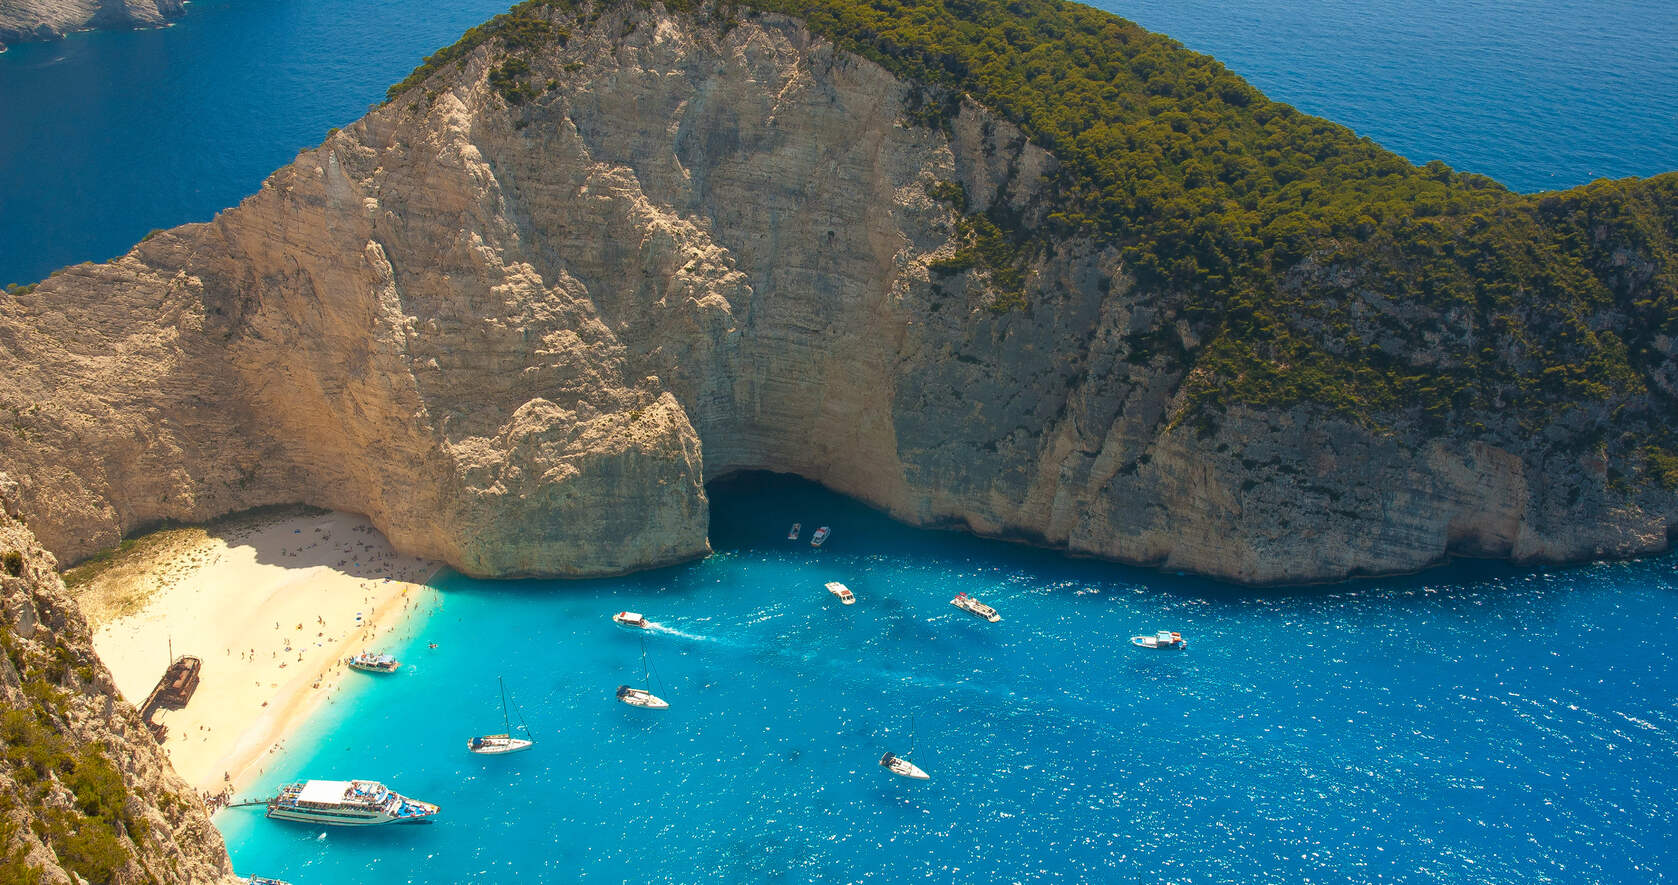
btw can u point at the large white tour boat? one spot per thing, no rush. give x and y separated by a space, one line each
347 804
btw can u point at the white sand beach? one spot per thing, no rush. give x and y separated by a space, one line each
273 606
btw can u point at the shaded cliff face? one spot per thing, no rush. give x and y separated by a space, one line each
84 789
24 21
520 314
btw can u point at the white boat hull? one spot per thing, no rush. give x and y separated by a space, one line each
638 697
904 768
338 819
499 746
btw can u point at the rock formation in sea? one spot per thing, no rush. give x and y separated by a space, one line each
520 314
27 21
85 791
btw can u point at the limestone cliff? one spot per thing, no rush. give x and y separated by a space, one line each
519 315
23 21
84 789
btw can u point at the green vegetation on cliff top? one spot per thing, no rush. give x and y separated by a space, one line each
1313 265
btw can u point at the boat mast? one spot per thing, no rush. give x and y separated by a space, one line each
505 724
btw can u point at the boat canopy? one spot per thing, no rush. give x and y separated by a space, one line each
631 616
1163 636
324 792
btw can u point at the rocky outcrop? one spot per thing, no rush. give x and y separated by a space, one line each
519 316
25 21
85 792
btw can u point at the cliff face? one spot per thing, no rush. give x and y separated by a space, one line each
520 314
23 21
84 789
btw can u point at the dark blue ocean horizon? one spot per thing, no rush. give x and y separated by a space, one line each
109 135
1474 723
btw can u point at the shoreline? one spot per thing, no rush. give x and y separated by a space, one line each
308 589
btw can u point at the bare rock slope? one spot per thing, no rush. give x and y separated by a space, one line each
24 21
519 316
86 794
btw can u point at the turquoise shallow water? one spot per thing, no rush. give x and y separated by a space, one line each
106 136
1472 724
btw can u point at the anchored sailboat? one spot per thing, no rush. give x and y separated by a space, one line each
643 697
504 743
900 765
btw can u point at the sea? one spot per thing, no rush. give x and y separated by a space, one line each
1473 723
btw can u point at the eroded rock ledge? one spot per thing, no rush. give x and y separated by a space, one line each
520 331
31 21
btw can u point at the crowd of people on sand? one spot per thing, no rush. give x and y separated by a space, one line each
359 553
215 801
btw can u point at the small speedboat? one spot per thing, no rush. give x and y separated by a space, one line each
820 537
1162 639
630 619
792 534
903 768
264 880
969 604
840 590
640 697
373 663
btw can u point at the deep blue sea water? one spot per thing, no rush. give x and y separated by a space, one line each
1477 723
106 136
1538 94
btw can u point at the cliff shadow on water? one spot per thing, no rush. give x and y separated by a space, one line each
752 510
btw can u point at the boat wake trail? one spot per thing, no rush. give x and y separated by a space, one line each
672 631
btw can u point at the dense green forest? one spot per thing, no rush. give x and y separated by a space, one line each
1243 208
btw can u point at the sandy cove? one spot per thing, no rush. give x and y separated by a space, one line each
272 605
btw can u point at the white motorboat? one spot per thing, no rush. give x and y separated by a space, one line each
820 537
373 663
643 697
630 619
502 744
969 604
840 590
792 534
347 804
1162 639
903 768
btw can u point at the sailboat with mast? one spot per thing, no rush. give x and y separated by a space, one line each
504 743
643 697
900 765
